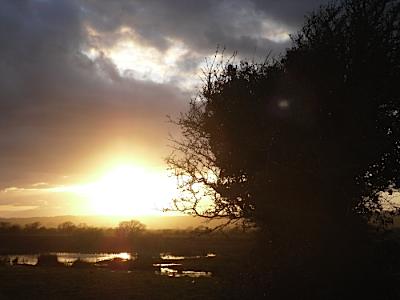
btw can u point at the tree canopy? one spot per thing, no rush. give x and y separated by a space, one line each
311 138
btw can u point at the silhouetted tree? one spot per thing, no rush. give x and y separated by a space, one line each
129 228
4 226
303 147
33 227
345 64
306 143
67 227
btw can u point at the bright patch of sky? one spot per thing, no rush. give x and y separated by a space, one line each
135 58
141 61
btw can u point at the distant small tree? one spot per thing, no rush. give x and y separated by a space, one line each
128 228
15 228
33 227
67 227
4 226
82 226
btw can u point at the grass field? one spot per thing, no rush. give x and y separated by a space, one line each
239 271
21 282
45 282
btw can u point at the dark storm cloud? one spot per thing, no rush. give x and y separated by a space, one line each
59 108
202 25
288 12
56 105
236 24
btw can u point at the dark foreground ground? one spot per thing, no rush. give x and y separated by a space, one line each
89 282
238 272
21 282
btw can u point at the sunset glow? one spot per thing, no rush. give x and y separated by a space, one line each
128 190
120 189
104 76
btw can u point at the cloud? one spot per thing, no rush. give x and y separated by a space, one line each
291 13
15 208
201 25
59 107
73 94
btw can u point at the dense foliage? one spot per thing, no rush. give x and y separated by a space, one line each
308 140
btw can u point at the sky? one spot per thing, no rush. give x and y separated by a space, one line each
86 87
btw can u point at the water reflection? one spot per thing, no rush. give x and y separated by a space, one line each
26 259
169 256
170 265
93 258
167 265
175 273
166 269
66 258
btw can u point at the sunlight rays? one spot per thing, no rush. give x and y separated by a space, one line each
128 189
122 189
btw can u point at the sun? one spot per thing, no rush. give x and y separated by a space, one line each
129 190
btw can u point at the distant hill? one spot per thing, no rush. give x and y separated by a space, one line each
152 222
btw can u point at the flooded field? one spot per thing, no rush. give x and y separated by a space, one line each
166 264
65 258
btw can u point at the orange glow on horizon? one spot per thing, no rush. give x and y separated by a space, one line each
128 189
